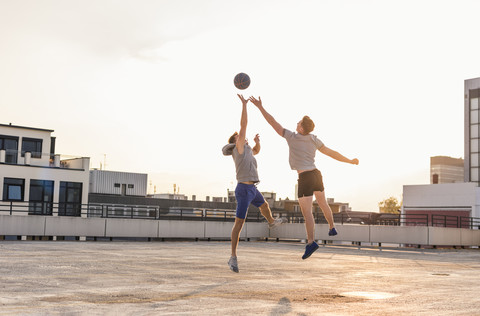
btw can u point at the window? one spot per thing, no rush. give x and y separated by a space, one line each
41 197
13 189
116 185
130 186
70 199
10 145
32 145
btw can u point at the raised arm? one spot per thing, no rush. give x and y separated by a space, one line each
337 156
243 126
276 126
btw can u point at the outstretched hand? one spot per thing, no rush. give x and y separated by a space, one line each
244 102
257 139
256 102
354 161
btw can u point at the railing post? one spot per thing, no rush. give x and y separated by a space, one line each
11 207
131 212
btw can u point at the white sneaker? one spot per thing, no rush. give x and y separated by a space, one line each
232 263
277 222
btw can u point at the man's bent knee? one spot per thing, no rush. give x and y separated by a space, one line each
264 206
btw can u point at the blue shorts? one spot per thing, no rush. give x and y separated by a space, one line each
247 194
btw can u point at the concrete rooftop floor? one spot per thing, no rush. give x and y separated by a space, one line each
192 278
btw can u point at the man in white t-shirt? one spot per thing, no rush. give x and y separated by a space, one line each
302 149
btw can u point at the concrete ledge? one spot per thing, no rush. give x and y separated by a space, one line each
74 226
21 225
256 230
289 231
347 232
416 235
181 229
444 236
470 237
118 227
214 229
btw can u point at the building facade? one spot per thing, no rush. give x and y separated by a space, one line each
472 130
34 176
118 183
446 170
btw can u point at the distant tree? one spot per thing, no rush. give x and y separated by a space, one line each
390 205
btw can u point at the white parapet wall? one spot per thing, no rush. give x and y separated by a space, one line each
18 225
288 231
181 229
348 232
22 225
74 226
469 237
119 227
255 230
417 235
444 236
215 229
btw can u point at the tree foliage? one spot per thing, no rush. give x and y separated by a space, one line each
390 205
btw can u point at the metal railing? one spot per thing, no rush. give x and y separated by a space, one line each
153 212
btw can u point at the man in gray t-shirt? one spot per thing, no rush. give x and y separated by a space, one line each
302 149
246 192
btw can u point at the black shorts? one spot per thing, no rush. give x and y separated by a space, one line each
309 182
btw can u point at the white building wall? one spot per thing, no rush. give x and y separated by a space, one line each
103 182
72 170
20 132
443 195
45 173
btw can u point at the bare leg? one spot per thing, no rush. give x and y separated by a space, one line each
266 212
237 228
327 211
306 207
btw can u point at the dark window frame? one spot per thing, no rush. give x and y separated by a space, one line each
10 152
70 208
6 189
38 143
41 207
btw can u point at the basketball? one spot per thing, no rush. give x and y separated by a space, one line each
241 81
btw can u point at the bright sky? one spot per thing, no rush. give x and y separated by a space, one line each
150 84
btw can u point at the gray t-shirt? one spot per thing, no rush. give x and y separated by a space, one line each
302 149
245 164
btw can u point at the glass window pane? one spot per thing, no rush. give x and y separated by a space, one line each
474 145
474 117
15 192
474 174
474 160
36 193
474 104
474 131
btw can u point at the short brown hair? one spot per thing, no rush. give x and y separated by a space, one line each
231 140
307 124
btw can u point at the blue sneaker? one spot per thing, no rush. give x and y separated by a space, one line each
309 249
332 232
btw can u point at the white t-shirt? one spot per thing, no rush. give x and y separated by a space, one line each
302 149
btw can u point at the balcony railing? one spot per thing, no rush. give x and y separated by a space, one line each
153 212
